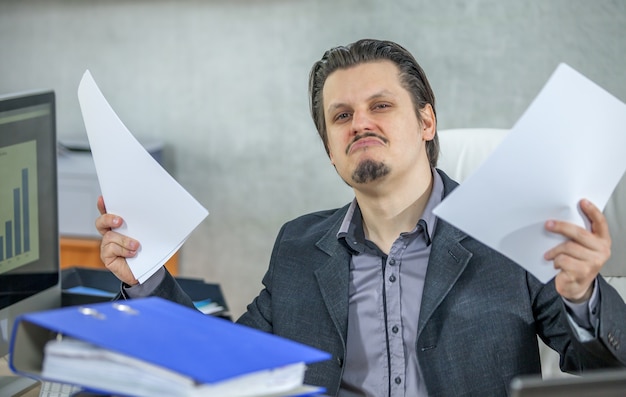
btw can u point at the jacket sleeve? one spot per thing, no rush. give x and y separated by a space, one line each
167 288
605 350
611 328
259 312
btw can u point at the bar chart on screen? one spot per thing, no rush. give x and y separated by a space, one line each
19 231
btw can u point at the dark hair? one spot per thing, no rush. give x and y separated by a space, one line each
412 78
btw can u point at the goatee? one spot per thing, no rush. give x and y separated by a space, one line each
369 170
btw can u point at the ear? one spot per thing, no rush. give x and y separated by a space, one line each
429 122
330 156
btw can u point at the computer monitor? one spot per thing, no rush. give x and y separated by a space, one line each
29 237
596 383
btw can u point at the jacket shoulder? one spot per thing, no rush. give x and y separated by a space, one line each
314 224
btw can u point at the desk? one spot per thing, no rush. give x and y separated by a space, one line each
29 391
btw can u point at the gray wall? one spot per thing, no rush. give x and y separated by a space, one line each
223 84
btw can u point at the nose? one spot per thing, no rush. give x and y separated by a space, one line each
361 122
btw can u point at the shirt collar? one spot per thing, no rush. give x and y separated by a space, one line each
352 225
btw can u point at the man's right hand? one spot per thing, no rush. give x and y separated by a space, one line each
115 247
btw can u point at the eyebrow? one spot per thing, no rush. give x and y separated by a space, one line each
381 94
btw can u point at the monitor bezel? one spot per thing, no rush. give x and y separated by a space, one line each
599 382
36 285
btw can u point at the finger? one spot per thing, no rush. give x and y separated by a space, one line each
115 245
578 267
568 230
597 220
114 250
570 249
577 238
593 251
585 267
107 222
599 225
113 254
121 270
101 206
579 235
572 256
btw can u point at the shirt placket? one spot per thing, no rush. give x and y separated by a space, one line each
394 319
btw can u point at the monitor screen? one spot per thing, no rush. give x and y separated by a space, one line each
29 237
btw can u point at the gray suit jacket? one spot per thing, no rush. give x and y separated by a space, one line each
479 318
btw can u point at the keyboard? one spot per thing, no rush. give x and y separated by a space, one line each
54 389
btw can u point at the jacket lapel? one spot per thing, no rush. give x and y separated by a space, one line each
448 259
333 278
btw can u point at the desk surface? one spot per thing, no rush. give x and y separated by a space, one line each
33 391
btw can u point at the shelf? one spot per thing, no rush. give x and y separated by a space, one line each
85 252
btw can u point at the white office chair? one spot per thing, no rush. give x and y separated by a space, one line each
464 149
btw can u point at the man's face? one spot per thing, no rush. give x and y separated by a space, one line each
373 131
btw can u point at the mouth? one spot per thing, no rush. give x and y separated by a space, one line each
365 140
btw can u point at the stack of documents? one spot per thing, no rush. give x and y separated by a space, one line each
68 360
151 346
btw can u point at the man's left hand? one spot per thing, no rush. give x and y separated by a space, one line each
582 255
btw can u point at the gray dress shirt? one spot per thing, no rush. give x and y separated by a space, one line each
384 304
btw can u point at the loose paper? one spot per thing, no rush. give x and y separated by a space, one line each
568 145
157 211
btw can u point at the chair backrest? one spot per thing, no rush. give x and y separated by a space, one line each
464 149
615 212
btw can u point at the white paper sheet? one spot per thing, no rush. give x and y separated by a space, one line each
157 211
568 145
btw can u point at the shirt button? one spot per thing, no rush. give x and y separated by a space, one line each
398 380
395 329
392 278
392 261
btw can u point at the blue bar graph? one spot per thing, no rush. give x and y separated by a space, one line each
17 219
26 208
16 239
19 212
8 236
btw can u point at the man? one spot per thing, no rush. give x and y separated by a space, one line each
407 304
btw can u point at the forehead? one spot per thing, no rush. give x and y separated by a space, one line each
361 80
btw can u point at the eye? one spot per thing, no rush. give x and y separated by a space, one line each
342 116
381 105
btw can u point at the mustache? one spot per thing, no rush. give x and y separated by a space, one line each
366 134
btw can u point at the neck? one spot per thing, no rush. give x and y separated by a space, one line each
388 212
